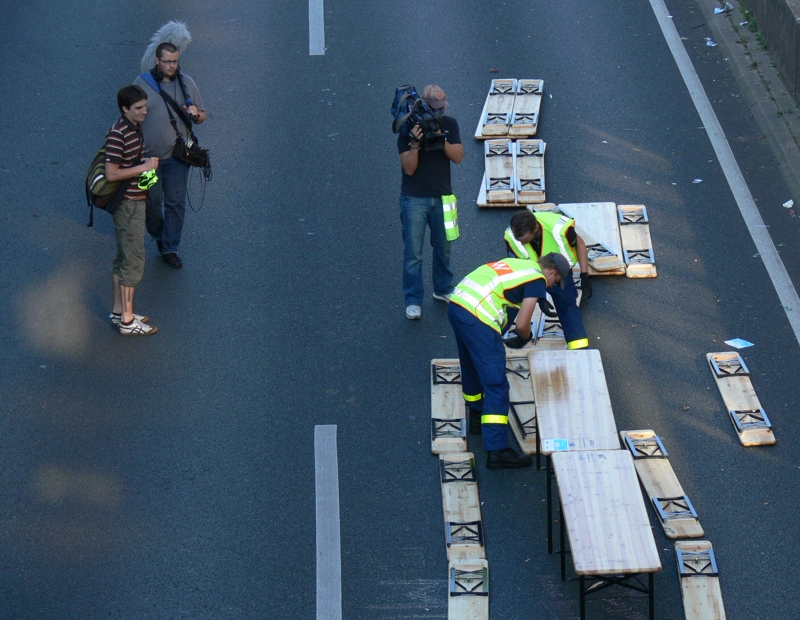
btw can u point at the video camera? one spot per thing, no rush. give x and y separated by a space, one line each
428 120
410 109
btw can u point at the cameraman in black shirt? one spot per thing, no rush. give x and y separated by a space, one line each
426 179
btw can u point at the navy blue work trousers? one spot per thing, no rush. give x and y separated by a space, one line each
565 303
483 372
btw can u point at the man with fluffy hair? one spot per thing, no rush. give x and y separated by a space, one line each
175 104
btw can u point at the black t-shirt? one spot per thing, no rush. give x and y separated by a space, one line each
432 177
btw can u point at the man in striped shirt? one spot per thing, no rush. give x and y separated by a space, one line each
124 148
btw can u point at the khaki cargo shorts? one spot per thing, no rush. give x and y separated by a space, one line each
129 222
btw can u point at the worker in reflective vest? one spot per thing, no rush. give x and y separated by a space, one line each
533 235
478 312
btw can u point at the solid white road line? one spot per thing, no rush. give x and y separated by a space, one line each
747 206
329 548
316 28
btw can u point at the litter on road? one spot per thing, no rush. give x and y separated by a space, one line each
738 343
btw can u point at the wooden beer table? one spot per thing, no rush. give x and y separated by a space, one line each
573 409
606 521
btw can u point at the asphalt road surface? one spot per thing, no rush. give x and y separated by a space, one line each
173 476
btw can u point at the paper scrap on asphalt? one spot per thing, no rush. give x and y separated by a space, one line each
738 343
710 42
788 204
697 181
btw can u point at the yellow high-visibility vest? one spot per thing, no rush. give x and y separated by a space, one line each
482 292
450 208
554 238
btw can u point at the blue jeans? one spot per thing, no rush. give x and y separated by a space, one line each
415 213
171 190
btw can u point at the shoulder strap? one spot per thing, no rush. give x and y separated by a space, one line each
171 103
186 97
151 81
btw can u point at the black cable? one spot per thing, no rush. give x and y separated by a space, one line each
203 179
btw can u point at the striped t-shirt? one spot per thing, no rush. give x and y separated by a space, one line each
124 147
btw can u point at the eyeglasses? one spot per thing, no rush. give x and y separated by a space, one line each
169 63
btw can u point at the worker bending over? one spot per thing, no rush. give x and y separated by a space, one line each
478 312
533 235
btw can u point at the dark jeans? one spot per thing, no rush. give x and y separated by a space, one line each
171 190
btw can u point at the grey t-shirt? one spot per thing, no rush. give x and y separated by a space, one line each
159 136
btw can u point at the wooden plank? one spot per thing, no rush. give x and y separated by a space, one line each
697 568
665 493
598 220
468 590
748 417
606 521
463 527
448 423
549 334
530 171
637 247
522 411
528 102
572 400
499 163
496 114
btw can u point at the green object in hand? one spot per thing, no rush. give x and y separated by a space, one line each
148 179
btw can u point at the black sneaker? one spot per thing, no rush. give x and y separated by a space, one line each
475 422
173 260
507 458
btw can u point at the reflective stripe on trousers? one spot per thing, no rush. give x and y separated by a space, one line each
483 369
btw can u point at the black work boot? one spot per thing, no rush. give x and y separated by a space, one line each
475 422
507 458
